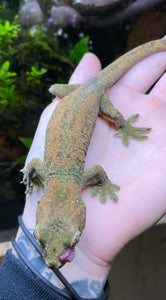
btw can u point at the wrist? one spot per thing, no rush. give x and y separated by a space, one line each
85 275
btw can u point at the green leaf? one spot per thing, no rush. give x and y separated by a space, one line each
21 160
5 66
26 141
34 76
8 32
7 25
80 49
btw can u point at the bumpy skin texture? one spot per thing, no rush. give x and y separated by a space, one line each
61 213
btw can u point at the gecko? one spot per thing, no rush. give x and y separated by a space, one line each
61 212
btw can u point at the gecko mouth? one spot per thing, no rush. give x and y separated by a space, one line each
69 254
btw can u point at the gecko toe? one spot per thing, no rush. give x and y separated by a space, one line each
128 131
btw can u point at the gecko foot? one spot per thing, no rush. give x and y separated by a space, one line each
128 131
105 189
32 183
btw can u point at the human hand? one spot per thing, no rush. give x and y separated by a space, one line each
138 169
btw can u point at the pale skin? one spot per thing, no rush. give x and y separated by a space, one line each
139 169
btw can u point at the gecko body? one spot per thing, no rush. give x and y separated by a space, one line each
61 212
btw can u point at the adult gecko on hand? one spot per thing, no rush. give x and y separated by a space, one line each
61 212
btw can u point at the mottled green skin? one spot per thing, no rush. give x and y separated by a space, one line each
61 212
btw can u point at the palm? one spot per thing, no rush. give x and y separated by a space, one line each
139 170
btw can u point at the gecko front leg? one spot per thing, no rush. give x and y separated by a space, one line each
62 90
33 175
96 175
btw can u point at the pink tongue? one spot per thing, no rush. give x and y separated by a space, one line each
68 255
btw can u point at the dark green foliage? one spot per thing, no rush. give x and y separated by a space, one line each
8 92
31 59
34 76
7 33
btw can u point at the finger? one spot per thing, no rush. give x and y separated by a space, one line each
145 73
159 90
88 67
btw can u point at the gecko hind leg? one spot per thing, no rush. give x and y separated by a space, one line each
96 176
125 129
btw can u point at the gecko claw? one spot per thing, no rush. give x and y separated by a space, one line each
106 189
128 131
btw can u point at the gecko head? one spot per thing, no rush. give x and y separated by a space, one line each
60 222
